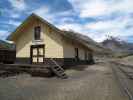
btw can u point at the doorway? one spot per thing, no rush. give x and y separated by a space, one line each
76 54
37 54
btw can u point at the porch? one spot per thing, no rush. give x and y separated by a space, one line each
34 70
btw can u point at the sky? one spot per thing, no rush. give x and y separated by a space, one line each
97 19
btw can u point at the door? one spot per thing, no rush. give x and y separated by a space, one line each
37 54
76 54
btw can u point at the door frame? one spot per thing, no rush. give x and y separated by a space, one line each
32 55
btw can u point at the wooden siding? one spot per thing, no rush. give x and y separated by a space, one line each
53 43
69 49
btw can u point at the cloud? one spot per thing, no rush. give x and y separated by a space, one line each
18 4
15 23
3 34
54 17
119 27
95 8
113 17
44 12
89 8
71 26
14 15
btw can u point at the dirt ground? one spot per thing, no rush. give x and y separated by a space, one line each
90 82
127 60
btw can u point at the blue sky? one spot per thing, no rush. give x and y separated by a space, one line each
97 19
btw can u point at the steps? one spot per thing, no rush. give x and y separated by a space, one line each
57 69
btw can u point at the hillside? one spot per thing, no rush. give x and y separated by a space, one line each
119 47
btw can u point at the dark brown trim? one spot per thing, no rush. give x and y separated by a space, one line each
23 60
60 61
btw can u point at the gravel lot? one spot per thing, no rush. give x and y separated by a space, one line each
90 82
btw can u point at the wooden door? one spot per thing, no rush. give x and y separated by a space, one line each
76 54
37 54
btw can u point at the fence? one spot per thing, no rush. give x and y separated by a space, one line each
7 56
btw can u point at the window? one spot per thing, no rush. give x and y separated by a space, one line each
37 33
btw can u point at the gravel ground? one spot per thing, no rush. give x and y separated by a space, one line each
90 82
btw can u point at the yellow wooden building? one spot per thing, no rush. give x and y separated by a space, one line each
37 41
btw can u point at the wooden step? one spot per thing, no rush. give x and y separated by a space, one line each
57 69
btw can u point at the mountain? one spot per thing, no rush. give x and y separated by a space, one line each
118 46
6 45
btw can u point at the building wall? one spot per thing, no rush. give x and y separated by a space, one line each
53 43
23 43
81 53
49 37
69 49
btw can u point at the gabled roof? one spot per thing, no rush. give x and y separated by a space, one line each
84 40
25 21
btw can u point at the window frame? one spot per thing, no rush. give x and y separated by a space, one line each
37 33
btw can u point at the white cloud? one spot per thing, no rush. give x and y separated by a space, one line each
106 25
10 13
89 8
71 26
3 34
66 13
95 8
14 15
44 12
15 23
18 4
104 10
